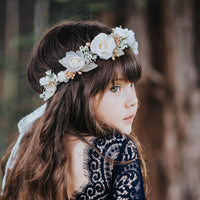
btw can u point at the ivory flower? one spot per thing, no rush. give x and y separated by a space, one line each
45 81
62 76
48 79
49 82
72 61
128 38
124 33
103 45
49 91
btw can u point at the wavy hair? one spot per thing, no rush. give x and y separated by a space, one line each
40 169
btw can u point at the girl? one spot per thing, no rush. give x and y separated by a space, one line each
78 144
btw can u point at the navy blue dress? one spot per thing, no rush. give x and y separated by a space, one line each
112 181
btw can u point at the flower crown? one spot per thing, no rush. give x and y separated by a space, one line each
103 45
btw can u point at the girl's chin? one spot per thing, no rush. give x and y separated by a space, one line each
127 130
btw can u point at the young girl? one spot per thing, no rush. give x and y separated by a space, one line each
78 144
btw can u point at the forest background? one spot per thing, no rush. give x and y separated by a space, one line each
167 122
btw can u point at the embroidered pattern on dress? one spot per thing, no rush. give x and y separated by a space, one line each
108 181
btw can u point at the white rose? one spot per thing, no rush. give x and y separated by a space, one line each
103 45
62 77
72 61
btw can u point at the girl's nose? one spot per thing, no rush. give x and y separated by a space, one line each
131 103
131 99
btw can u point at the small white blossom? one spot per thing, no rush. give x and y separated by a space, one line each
127 38
123 32
62 77
103 45
45 81
72 61
48 73
49 92
48 79
49 82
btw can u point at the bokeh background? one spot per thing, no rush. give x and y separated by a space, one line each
168 120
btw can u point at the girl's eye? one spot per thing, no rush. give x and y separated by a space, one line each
115 88
132 84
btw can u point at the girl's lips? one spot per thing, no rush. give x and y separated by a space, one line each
130 118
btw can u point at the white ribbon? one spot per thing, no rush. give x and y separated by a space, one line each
24 126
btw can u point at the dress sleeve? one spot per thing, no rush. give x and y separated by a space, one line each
127 178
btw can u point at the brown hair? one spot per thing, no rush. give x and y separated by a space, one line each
40 169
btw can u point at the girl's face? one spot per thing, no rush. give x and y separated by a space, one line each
117 106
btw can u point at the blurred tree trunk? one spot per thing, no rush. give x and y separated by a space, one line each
182 112
2 66
26 38
41 16
171 110
156 93
2 46
11 51
26 27
36 13
10 85
196 42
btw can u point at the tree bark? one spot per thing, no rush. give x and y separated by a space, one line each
2 46
41 16
11 51
26 39
182 113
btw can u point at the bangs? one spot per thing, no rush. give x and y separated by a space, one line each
126 68
109 71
